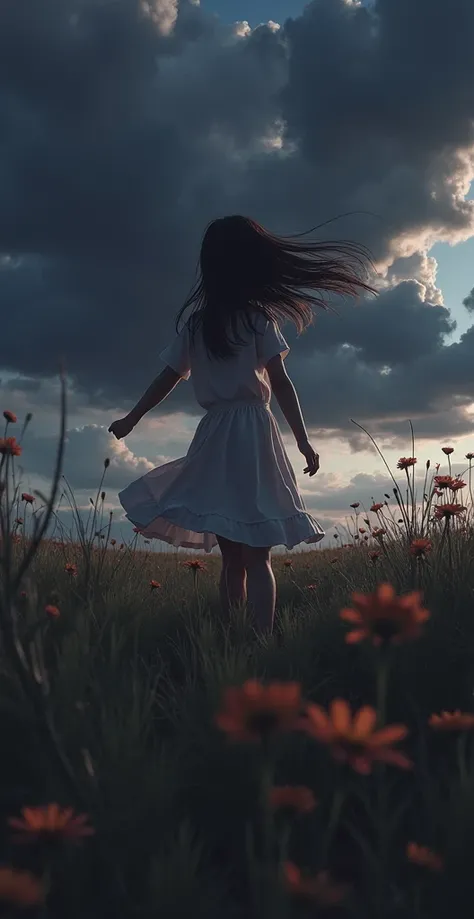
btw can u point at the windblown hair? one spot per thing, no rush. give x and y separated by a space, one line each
244 269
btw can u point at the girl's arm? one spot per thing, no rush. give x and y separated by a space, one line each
159 389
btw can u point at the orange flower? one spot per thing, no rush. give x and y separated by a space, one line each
71 569
194 565
9 447
355 505
448 450
154 585
10 417
27 497
406 461
52 611
321 889
353 739
443 481
20 888
50 822
384 617
419 547
424 857
452 721
456 484
253 711
377 507
447 511
297 798
374 557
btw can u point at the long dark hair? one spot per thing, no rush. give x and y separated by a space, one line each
244 269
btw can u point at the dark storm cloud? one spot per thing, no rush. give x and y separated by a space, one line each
127 127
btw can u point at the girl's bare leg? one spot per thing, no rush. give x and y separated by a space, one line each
261 586
233 580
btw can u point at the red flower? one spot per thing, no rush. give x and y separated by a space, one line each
448 510
9 447
424 857
52 611
353 738
71 569
419 547
405 462
194 565
253 711
320 889
377 507
443 481
154 585
448 450
50 822
355 505
288 563
470 456
384 617
311 587
456 484
10 417
379 532
374 557
27 498
452 721
298 798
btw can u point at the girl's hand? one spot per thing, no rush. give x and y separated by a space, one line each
311 457
122 427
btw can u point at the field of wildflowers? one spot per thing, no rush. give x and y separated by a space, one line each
160 762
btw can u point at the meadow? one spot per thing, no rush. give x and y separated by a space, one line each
158 761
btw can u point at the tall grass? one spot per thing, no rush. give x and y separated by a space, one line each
115 664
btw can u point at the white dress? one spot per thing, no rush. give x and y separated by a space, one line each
236 479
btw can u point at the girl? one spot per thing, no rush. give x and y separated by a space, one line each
236 487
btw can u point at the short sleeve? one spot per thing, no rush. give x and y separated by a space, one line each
177 354
272 343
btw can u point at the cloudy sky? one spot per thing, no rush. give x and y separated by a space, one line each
127 126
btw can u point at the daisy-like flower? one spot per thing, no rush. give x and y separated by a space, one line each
52 611
253 712
52 822
27 498
353 738
443 481
9 447
446 511
420 547
289 797
355 505
71 569
452 721
406 461
456 484
374 556
424 857
469 456
319 889
447 450
383 617
377 507
194 565
379 532
20 889
361 529
10 417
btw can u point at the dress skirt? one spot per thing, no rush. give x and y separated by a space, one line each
235 481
